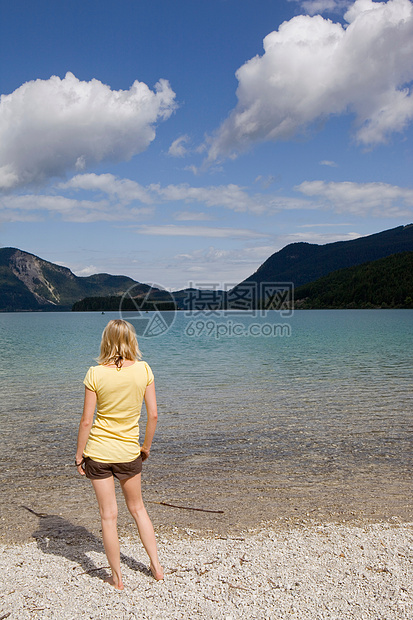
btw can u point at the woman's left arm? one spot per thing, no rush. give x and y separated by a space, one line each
85 425
152 419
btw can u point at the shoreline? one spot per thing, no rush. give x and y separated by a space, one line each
37 504
76 516
69 509
303 570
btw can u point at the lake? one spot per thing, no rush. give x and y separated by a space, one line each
260 417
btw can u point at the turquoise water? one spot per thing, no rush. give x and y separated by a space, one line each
314 419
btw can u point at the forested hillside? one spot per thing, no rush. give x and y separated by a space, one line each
384 283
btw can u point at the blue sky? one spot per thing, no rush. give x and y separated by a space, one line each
184 142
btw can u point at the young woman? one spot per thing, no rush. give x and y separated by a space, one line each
109 447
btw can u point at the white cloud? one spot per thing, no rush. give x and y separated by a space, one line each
114 199
191 216
266 181
327 162
171 230
195 171
377 199
49 127
178 148
229 196
35 207
325 225
123 200
239 256
313 68
87 271
124 190
319 238
229 266
323 6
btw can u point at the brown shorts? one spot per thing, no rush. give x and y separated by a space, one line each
122 471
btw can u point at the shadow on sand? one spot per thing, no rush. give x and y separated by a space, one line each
59 537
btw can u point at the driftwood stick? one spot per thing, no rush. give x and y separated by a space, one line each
93 570
232 585
219 512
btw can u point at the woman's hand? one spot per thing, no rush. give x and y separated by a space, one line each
79 466
145 453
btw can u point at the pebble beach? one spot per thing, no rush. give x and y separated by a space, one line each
294 504
302 570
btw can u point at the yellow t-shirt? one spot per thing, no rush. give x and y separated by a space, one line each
114 436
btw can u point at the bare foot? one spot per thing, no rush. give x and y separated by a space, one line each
157 573
115 584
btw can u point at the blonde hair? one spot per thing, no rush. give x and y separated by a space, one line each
118 343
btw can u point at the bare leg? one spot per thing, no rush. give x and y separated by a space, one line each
105 494
132 491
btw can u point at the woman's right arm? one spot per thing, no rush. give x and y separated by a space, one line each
152 419
85 425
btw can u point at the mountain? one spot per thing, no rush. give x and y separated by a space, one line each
28 282
302 263
384 283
